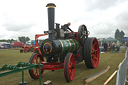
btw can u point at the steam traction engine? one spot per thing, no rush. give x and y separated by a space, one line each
26 48
64 48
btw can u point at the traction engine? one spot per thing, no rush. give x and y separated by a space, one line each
26 48
64 48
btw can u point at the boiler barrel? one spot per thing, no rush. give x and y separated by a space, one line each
69 45
58 47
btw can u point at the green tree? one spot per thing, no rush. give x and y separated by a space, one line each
24 39
119 35
27 39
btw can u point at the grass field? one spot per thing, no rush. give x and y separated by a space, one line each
13 56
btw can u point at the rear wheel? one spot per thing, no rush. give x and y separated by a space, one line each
36 59
91 53
69 67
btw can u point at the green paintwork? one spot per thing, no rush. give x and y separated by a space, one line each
69 45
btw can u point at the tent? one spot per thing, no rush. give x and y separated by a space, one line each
110 39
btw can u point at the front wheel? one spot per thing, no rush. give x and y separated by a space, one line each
36 59
21 51
69 67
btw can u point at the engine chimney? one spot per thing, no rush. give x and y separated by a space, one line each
51 9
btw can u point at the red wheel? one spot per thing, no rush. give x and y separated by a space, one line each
36 59
21 51
91 53
69 67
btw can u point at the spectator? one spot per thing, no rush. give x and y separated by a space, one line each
110 46
127 44
105 47
113 46
118 45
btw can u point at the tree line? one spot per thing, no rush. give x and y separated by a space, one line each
8 40
21 39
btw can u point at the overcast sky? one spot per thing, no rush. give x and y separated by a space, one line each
29 17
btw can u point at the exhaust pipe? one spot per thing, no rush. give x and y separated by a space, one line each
51 13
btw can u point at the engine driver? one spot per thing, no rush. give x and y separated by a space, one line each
67 27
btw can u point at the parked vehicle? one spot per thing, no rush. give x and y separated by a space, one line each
26 48
17 44
5 46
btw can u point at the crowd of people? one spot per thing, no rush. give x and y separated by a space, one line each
111 46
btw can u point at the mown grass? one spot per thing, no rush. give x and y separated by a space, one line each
13 56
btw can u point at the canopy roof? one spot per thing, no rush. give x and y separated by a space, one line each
110 39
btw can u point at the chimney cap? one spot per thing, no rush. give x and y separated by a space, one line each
50 5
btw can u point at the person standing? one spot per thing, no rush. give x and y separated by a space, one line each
127 44
118 46
105 47
113 46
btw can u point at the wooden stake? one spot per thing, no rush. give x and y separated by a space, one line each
48 82
110 78
94 76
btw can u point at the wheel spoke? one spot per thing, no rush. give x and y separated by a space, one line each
36 72
95 58
82 36
33 70
83 33
95 50
38 60
69 71
94 45
83 28
34 61
92 49
93 61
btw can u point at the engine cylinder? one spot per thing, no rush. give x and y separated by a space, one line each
51 47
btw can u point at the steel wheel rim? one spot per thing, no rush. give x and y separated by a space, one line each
36 60
71 68
95 53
